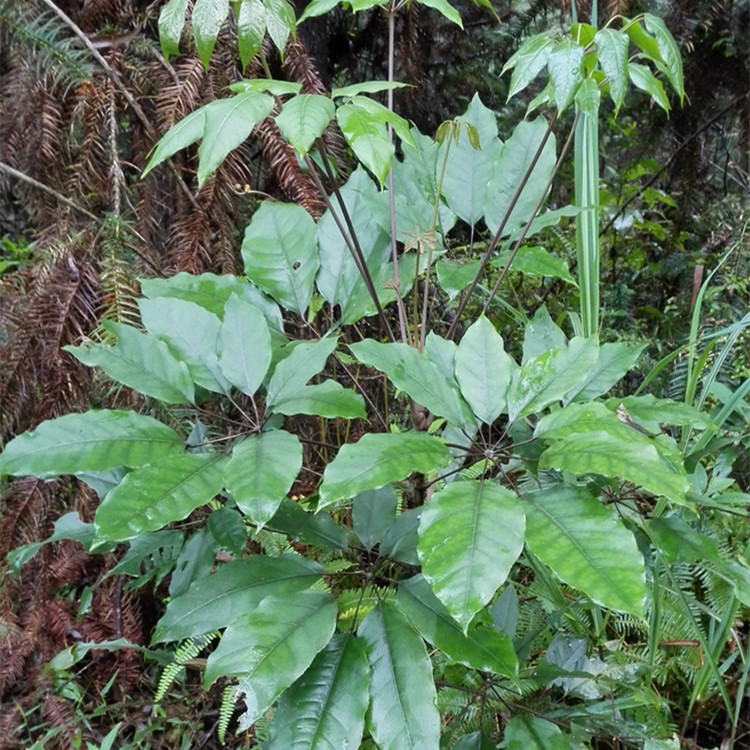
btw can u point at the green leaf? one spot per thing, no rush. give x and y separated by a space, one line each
402 714
464 557
318 8
644 79
536 260
454 276
228 123
329 399
679 542
588 97
308 528
481 647
445 8
474 741
251 28
152 496
141 362
244 345
181 135
367 134
414 374
528 61
656 411
612 363
234 590
565 64
365 87
281 22
373 513
281 255
483 370
171 23
305 361
270 85
377 460
669 52
303 119
325 708
261 472
612 53
525 732
642 40
542 334
207 19
400 540
190 332
272 646
549 377
196 560
96 440
587 546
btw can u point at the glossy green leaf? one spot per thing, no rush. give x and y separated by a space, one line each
612 53
444 8
669 52
528 61
468 171
325 708
587 546
400 540
542 334
244 345
588 97
317 8
190 332
328 399
308 528
365 87
481 647
367 134
470 534
645 80
228 528
171 23
153 496
612 363
679 542
536 260
656 411
483 370
271 646
228 123
373 512
403 715
549 377
207 19
234 590
141 362
251 28
261 472
565 68
413 374
304 118
379 459
642 40
526 732
281 23
304 362
181 135
281 255
96 440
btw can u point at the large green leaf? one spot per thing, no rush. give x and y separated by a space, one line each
669 52
281 255
234 590
191 332
367 134
549 377
251 28
305 360
328 399
325 708
679 542
612 53
402 714
272 645
565 63
483 370
541 334
181 135
645 80
526 732
414 374
536 260
528 61
171 23
96 440
206 20
244 345
280 22
304 118
481 647
445 8
373 513
308 528
157 494
228 123
141 362
379 459
470 534
586 544
261 472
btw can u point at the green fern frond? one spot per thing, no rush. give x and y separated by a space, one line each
187 650
337 565
229 700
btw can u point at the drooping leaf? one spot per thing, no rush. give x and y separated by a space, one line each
251 28
325 708
481 647
191 333
377 460
280 253
483 370
261 472
96 440
444 8
195 560
365 87
318 8
234 590
141 362
536 260
470 534
565 63
281 22
403 715
328 399
669 52
228 528
181 135
171 23
587 546
308 528
206 20
304 118
588 97
305 361
612 363
528 61
645 80
152 496
612 53
244 345
367 134
373 512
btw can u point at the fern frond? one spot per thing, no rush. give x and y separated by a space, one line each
229 699
187 650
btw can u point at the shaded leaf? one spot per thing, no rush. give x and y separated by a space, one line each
565 68
171 23
444 8
304 118
281 22
308 528
305 360
328 399
207 19
612 53
645 80
612 363
528 61
251 28
373 512
668 51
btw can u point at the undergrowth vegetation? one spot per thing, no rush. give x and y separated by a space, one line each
411 476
